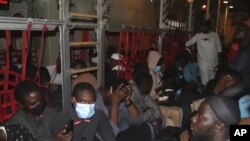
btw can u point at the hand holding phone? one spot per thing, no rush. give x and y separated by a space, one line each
69 127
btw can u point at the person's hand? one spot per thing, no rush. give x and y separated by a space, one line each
129 92
119 95
63 136
220 85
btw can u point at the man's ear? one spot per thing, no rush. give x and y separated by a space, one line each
219 126
73 100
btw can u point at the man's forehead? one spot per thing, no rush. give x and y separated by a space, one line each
205 108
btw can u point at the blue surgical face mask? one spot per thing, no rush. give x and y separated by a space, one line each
84 111
158 69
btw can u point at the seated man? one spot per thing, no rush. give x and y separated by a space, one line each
213 118
123 114
87 120
36 116
148 108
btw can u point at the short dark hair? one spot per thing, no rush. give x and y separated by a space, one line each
205 27
140 68
44 75
144 78
24 88
83 86
115 82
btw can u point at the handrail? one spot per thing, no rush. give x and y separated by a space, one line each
73 14
75 71
83 43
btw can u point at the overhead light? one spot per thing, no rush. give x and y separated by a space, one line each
231 7
225 1
204 6
189 1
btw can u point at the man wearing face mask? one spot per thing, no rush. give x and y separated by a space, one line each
36 116
155 63
89 121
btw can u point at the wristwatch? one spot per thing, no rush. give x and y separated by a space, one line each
129 104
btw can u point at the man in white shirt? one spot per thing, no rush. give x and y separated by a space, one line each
208 46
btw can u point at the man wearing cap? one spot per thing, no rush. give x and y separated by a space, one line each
213 118
114 62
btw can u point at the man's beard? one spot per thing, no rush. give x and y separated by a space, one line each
206 136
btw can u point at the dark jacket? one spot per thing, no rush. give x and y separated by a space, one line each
85 130
44 129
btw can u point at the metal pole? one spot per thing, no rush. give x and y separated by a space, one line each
26 20
218 16
225 22
65 54
190 15
100 46
208 9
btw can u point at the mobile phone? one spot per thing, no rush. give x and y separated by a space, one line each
69 126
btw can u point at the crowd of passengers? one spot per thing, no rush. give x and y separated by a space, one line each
199 92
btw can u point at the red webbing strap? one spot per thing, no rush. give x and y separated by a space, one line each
119 50
25 49
145 46
126 61
85 36
7 65
39 61
133 47
148 44
141 46
136 52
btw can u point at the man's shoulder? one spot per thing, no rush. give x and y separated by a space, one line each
52 112
99 112
51 109
214 34
18 118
